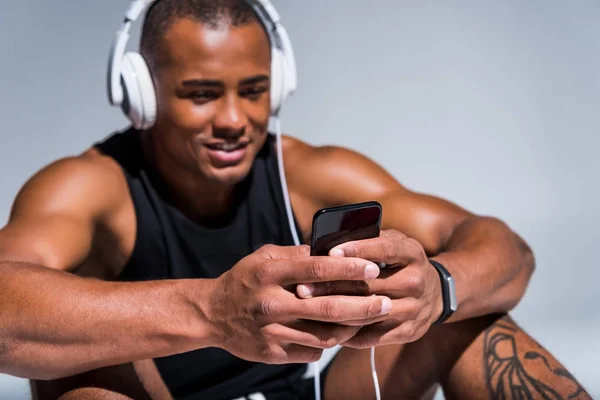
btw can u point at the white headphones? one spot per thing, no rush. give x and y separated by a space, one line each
130 85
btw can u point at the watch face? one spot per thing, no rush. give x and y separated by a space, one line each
452 294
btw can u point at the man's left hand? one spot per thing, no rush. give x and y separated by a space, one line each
408 279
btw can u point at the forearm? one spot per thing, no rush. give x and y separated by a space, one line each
491 266
55 324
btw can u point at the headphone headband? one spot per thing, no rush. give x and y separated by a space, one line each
128 80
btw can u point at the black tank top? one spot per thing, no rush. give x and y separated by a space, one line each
170 246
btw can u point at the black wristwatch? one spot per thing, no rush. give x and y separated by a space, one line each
448 292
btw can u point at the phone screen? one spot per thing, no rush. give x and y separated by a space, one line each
337 225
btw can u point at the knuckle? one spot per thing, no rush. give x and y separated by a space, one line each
415 283
314 356
372 309
364 342
269 332
268 307
413 310
343 334
273 354
317 270
304 250
417 251
408 331
261 276
327 342
267 248
331 310
396 233
388 248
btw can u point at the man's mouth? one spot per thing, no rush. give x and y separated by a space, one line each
227 154
226 146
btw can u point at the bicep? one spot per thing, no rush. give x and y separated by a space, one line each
346 176
53 216
428 219
57 240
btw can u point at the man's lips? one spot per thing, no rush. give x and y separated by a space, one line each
227 153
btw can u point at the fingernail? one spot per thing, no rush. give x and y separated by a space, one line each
371 271
306 290
337 253
386 305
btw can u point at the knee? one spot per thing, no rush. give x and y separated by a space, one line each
93 394
455 337
470 326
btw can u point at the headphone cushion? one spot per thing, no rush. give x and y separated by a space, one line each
140 96
277 80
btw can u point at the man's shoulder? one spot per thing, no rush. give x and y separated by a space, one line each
334 174
90 178
90 165
296 151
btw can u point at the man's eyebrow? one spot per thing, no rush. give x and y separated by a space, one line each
215 83
201 82
255 79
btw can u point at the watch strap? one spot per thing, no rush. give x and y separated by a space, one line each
448 295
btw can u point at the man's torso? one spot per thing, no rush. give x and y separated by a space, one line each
148 238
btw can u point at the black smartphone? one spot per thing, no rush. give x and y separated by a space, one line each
336 225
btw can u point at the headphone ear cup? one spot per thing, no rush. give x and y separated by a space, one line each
139 103
277 80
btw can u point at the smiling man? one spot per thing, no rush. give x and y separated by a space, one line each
160 262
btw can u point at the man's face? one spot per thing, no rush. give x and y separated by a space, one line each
213 98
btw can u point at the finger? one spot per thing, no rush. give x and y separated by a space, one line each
381 286
291 353
326 242
372 335
339 308
386 332
389 249
320 269
402 310
316 334
345 288
275 252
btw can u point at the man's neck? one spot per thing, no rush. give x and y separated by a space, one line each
199 199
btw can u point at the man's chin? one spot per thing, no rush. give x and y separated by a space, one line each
230 175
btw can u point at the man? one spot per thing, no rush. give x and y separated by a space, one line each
158 264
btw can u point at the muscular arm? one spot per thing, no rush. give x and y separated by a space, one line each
491 264
54 323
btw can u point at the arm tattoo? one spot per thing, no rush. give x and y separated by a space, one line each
508 378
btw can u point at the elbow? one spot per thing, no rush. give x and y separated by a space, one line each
529 262
521 280
521 257
4 354
526 257
521 252
14 364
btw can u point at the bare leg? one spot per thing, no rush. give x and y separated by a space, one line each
139 380
483 358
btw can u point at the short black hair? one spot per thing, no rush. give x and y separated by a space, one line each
214 13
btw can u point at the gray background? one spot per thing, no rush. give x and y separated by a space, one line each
493 105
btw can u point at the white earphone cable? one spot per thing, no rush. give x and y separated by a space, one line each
374 374
284 187
294 231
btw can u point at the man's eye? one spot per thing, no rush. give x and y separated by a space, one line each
253 92
203 95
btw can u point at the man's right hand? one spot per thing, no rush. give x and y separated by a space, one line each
256 315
